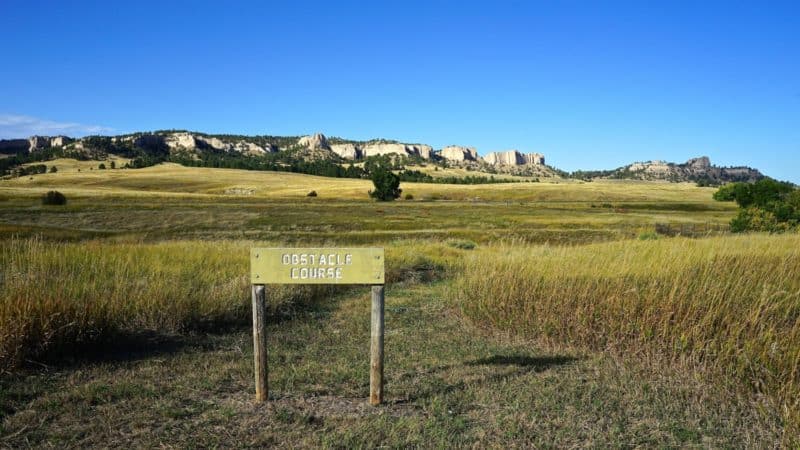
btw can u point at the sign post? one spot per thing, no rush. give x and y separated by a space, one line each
376 348
317 266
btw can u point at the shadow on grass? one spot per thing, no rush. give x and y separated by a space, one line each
519 366
125 345
533 363
114 348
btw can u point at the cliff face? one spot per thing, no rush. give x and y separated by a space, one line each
314 142
458 153
347 151
33 143
514 158
189 142
421 150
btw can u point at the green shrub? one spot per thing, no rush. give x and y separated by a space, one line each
387 185
409 197
766 205
726 193
102 166
53 169
312 194
54 198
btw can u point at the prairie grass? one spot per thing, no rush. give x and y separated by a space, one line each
173 180
731 305
58 295
165 249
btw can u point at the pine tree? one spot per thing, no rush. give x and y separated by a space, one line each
387 185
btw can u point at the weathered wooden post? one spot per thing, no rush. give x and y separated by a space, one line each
260 342
317 266
376 348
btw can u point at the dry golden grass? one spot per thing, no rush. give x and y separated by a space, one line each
175 180
62 294
731 304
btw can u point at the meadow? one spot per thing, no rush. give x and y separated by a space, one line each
548 313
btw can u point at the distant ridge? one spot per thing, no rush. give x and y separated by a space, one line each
190 145
699 170
316 146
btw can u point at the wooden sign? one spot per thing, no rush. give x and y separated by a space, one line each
316 265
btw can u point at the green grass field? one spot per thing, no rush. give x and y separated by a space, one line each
525 314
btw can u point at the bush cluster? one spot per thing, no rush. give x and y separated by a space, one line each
766 205
54 198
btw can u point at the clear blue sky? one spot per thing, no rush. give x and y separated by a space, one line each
589 84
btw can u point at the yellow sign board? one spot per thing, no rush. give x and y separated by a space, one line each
316 266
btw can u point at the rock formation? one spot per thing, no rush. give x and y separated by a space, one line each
204 142
692 170
314 142
43 142
458 153
347 151
701 163
60 141
181 141
249 148
424 151
317 147
38 143
192 142
421 150
514 158
533 158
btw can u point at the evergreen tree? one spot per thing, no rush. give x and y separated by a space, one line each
387 185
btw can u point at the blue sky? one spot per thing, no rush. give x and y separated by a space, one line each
589 84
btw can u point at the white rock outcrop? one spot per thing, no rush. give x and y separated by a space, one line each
213 143
189 141
657 167
533 158
458 153
249 148
504 158
346 151
60 141
314 142
701 163
181 141
421 150
38 143
514 158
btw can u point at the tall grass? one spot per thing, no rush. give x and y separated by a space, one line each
731 304
57 295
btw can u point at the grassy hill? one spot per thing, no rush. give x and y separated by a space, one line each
172 179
